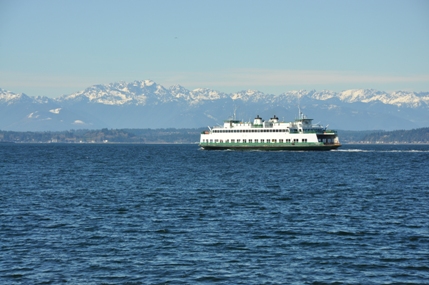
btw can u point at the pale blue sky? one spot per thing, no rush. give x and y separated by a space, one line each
51 48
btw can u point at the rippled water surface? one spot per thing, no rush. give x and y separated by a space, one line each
175 214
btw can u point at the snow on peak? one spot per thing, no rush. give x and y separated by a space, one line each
248 95
149 83
55 111
11 97
33 115
148 92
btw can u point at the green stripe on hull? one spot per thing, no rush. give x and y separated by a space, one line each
269 146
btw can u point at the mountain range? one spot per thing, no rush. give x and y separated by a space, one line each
146 104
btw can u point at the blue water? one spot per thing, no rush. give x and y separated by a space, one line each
175 214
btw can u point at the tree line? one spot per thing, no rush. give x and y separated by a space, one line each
105 136
172 135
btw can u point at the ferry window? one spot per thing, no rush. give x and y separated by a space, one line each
295 140
262 141
233 141
256 141
250 141
216 140
227 141
268 141
211 140
281 140
244 141
288 140
238 141
304 140
274 140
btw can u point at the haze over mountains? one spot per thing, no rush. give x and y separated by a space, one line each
146 104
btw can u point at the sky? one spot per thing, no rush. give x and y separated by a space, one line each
56 47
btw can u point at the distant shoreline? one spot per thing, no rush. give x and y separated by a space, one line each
192 136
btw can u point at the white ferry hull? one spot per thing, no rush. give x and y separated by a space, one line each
270 146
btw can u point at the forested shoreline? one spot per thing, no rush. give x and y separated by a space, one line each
189 136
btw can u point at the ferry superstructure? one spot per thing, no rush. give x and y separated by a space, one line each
273 134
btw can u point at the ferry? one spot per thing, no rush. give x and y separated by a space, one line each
272 134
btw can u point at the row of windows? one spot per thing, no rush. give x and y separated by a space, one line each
254 141
255 131
266 131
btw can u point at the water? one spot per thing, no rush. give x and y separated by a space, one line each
174 214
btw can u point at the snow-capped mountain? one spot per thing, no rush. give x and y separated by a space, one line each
146 104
